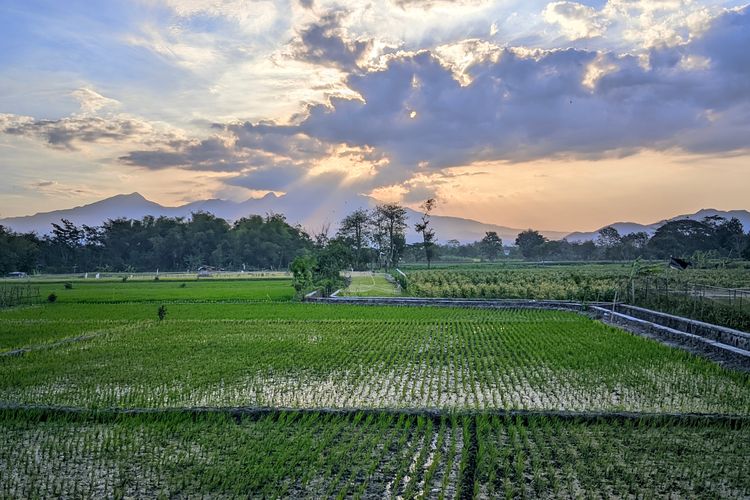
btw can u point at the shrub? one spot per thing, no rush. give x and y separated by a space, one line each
52 297
162 312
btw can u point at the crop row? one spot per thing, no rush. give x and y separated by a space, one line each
376 456
550 361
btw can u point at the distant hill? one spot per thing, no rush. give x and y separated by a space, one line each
625 228
297 211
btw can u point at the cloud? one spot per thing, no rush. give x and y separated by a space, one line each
70 132
91 101
325 42
423 111
574 19
278 177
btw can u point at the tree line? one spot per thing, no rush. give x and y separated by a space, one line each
711 238
365 239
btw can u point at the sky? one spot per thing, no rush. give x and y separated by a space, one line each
555 115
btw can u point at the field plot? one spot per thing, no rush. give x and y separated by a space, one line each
282 455
367 456
589 282
15 334
454 359
224 344
367 284
184 291
550 458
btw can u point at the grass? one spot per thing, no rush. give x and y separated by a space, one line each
367 284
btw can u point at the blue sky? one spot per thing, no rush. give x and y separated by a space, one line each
551 114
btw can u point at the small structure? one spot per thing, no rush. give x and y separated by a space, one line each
205 271
17 274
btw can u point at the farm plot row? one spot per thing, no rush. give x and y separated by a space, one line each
53 313
552 284
151 291
546 361
367 456
582 282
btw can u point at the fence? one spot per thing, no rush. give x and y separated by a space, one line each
719 305
13 295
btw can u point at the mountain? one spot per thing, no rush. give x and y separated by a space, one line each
625 228
312 216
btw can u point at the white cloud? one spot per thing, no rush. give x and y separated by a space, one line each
91 101
575 20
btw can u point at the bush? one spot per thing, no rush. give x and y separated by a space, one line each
124 279
68 285
182 285
52 297
162 312
156 278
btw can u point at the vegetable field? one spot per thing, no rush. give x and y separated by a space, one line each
351 401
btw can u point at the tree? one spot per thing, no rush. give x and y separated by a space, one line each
302 273
428 234
746 251
609 237
491 245
355 230
730 236
530 242
681 238
389 224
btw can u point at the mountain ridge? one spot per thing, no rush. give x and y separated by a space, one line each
136 206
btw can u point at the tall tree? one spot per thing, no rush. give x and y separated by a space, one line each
428 233
491 245
530 242
355 230
389 224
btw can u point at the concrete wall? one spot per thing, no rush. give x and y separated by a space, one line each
714 332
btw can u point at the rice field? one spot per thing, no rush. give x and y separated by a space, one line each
91 291
540 360
351 401
315 455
